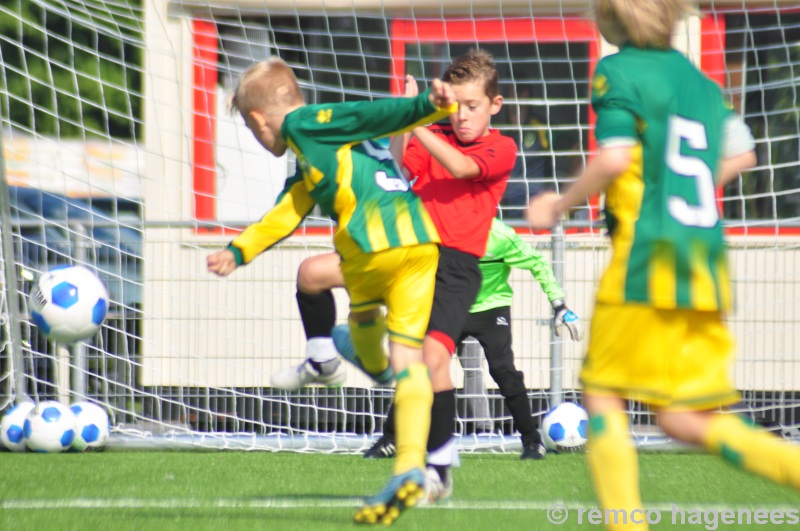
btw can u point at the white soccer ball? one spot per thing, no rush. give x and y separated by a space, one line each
49 427
564 428
69 303
91 427
12 426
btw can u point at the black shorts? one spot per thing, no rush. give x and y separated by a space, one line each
458 280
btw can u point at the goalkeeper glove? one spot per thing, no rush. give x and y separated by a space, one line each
563 316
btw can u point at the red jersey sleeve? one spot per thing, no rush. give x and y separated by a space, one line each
495 157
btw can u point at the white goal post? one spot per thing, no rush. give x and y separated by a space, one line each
129 124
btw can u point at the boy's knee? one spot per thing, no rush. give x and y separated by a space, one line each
306 283
318 274
686 426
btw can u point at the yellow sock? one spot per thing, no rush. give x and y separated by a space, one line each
615 470
753 449
368 343
412 417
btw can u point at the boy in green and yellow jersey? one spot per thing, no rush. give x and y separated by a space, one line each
384 236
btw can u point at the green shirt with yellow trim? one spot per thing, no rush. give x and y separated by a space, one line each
351 176
668 248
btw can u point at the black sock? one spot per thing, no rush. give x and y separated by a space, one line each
443 424
388 424
443 419
318 313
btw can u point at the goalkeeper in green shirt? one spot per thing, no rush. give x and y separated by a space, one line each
490 324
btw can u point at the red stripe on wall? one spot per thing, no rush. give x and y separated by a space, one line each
204 58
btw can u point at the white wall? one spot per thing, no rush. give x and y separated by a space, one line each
201 330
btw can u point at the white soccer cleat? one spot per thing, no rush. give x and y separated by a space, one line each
436 491
331 373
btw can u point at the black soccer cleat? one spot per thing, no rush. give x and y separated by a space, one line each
533 449
382 449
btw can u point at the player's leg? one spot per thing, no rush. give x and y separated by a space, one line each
316 278
612 459
703 376
409 275
408 303
366 332
737 441
494 333
477 404
366 280
412 380
441 444
412 403
458 280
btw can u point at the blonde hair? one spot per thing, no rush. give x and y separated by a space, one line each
267 86
644 22
475 65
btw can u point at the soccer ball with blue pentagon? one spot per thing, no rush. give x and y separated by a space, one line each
564 428
49 427
69 303
91 427
12 425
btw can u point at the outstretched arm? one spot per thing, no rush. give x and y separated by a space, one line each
507 245
545 209
336 124
292 205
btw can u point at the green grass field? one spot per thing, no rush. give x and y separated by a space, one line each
275 491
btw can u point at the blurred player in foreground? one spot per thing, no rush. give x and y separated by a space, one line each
666 141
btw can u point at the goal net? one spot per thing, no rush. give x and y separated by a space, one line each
114 124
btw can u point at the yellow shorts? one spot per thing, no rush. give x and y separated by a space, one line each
402 279
677 359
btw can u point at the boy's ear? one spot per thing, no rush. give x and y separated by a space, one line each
497 104
258 118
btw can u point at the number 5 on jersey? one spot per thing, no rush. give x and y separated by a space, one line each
704 214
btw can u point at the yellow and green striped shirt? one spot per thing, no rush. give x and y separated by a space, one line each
343 167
